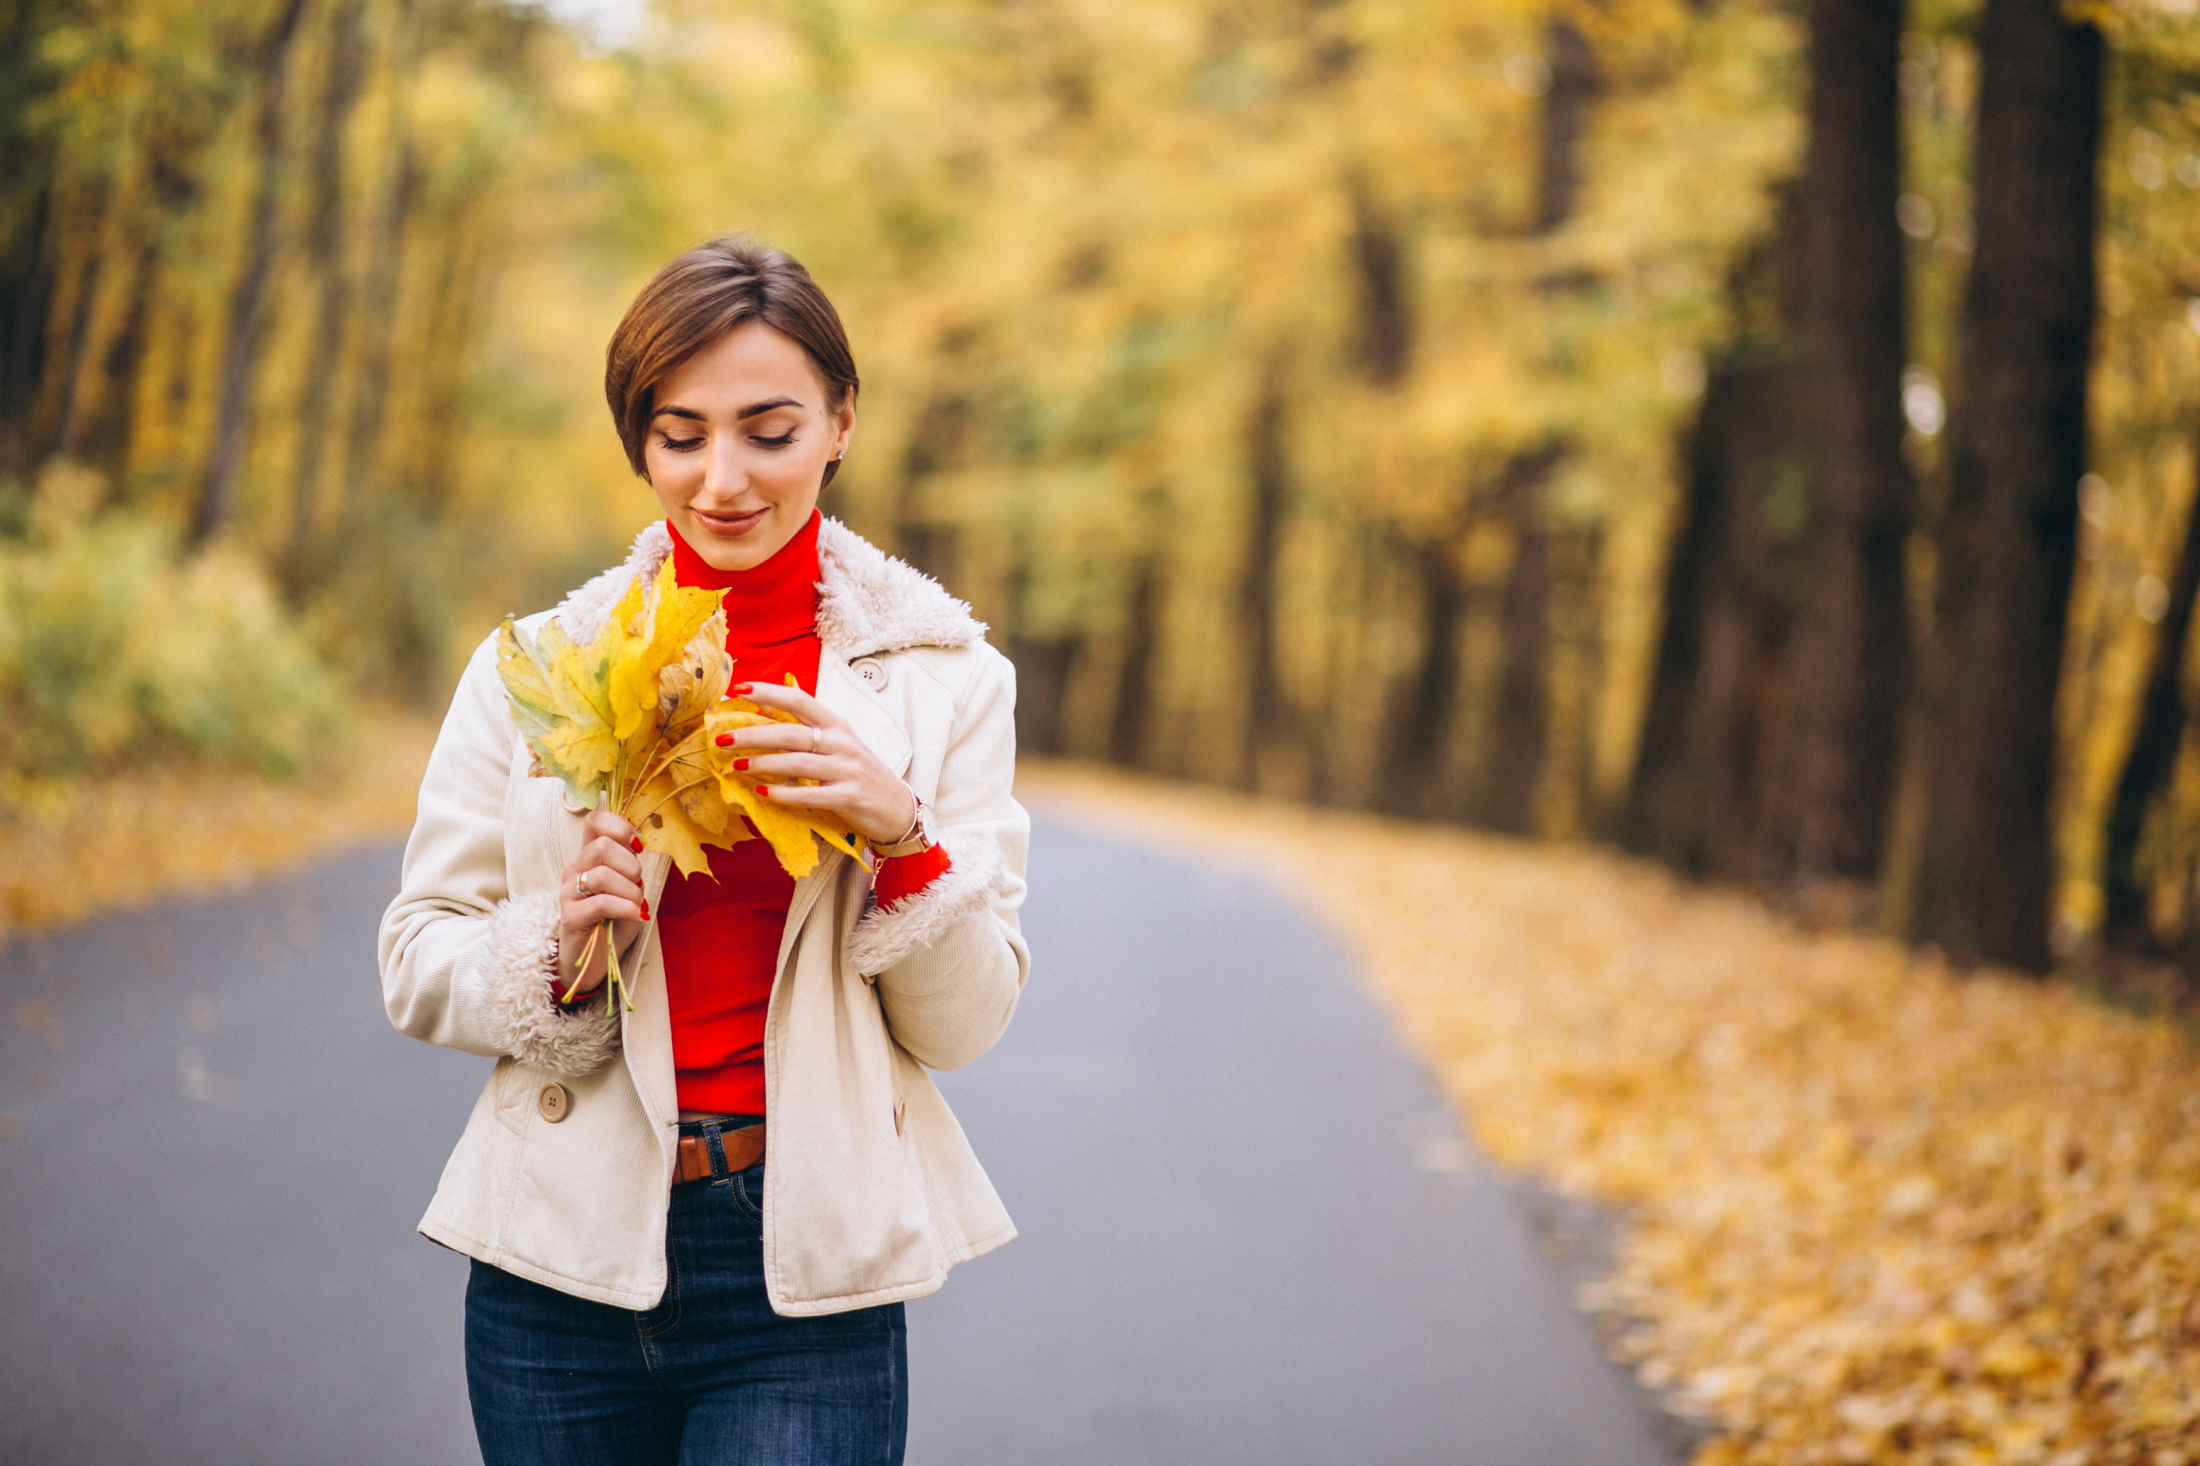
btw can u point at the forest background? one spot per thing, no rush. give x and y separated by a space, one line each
1760 433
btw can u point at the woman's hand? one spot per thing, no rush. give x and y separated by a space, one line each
609 871
851 782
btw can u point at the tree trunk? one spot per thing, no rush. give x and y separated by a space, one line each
1386 342
1835 750
1413 764
2017 445
1513 770
1414 775
1130 727
347 64
26 280
2126 881
1696 792
1268 468
938 443
1043 671
1515 767
65 420
1044 664
384 275
109 426
248 301
1565 122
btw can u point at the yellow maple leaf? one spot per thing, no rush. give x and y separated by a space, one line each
792 831
650 630
663 824
709 811
551 686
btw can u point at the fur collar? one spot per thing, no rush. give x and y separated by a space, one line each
867 601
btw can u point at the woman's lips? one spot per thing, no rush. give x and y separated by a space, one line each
729 524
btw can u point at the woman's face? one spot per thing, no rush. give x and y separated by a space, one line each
738 445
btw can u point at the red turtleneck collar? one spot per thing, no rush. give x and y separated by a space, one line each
768 605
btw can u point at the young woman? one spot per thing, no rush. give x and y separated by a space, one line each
693 1224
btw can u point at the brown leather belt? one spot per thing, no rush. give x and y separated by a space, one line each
744 1148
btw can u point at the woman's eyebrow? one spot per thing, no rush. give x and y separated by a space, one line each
743 415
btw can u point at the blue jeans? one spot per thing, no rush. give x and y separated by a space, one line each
709 1377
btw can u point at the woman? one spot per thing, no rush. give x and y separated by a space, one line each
693 1223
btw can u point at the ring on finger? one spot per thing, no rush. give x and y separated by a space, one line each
817 739
580 886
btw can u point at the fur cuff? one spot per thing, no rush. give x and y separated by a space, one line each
883 938
525 1020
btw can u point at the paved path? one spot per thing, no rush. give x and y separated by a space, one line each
1246 1234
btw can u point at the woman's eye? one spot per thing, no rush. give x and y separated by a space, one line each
779 442
683 445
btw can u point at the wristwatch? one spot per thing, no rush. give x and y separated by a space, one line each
919 839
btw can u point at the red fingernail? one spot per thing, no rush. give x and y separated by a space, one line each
741 765
645 911
740 688
725 740
764 791
637 844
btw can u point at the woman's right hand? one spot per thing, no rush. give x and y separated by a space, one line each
609 870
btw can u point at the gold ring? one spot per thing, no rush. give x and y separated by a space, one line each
580 887
817 738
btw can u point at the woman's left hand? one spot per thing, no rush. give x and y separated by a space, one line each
851 782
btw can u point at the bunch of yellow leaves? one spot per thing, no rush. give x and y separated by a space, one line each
630 723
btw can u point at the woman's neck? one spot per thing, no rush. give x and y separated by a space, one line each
767 604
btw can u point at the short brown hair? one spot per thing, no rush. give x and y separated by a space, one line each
701 296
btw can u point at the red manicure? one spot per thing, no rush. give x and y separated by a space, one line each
763 791
742 688
645 911
741 765
725 740
637 844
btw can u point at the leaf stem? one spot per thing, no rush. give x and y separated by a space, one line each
588 954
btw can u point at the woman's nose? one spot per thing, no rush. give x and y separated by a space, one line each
723 473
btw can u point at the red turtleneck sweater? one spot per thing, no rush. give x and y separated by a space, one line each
720 934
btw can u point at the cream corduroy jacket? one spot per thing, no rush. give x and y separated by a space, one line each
871 1193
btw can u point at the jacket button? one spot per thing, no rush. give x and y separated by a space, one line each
572 805
553 1102
870 673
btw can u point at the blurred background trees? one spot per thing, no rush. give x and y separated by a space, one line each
1760 432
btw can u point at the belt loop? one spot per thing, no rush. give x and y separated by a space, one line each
719 1174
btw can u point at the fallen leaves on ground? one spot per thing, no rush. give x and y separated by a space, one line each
124 840
1879 1211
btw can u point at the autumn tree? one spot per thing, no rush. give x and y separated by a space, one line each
2017 448
1833 751
2128 876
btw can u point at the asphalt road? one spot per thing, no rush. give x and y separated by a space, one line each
1248 1233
